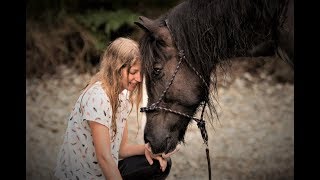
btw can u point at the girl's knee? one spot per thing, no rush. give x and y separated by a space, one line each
137 167
163 175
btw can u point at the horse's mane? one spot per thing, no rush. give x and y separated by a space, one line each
210 31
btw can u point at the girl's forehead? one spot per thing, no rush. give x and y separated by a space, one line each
136 65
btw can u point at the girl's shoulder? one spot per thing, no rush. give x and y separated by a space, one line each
96 88
94 91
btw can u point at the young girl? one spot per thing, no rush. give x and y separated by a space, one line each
96 145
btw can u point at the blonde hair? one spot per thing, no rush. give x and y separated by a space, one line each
121 53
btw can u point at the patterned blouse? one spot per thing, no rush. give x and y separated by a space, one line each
76 158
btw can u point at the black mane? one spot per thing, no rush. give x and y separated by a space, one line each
210 31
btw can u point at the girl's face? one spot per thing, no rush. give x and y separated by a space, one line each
130 80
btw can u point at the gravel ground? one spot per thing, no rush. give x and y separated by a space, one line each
253 138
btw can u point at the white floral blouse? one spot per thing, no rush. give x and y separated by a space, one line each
76 158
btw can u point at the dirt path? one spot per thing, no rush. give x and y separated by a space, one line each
253 138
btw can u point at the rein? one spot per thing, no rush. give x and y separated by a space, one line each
200 122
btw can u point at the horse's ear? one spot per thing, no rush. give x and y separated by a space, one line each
144 23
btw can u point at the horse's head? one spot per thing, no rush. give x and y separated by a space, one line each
169 84
181 50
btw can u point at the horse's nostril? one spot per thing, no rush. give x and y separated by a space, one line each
147 139
159 145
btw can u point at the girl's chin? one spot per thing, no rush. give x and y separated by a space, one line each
131 87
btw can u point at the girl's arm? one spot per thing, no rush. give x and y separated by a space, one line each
101 140
127 150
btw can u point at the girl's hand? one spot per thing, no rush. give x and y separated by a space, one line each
149 155
162 158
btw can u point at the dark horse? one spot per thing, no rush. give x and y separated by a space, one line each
182 49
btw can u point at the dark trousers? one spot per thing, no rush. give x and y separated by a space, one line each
137 167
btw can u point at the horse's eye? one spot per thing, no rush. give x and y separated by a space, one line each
157 71
161 42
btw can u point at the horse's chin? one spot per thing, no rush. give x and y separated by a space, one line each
171 147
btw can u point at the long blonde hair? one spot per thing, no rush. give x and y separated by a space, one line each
121 53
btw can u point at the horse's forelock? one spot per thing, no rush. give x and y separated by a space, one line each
146 55
150 49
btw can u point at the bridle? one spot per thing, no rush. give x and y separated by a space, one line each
200 122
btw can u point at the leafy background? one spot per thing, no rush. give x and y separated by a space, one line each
75 32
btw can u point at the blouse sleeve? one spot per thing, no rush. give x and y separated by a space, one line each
96 106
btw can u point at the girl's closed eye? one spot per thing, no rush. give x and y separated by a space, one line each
133 72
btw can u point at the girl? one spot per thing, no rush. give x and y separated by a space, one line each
95 143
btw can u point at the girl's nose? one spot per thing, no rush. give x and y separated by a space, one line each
138 77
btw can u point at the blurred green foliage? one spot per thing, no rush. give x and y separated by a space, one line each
75 32
102 23
100 17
